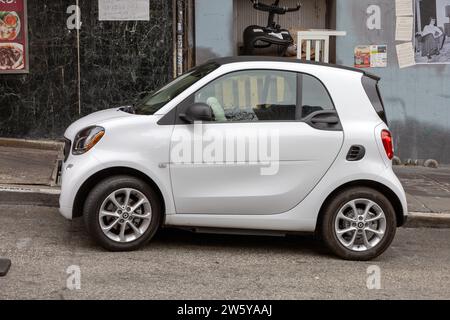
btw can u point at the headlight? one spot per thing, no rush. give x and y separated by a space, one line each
87 139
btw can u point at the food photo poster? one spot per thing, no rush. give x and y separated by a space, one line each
13 37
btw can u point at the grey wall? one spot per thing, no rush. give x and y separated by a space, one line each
214 35
417 99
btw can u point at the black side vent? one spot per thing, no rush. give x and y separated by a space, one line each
356 153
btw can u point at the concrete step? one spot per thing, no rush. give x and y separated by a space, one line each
428 220
29 195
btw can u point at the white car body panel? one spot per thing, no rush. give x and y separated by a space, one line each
95 118
195 196
234 187
144 147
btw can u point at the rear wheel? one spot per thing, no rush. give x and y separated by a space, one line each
359 224
122 213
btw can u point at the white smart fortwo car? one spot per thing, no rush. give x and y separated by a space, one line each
241 145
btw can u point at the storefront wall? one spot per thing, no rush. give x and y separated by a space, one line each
219 24
417 99
117 62
120 60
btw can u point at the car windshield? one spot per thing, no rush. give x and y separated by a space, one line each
158 99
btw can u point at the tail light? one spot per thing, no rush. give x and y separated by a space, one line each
388 144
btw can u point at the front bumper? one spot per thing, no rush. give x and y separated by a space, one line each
75 171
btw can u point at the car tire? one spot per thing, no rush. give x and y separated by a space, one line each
335 221
100 200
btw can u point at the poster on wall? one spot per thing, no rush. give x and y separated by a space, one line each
362 57
371 56
13 36
432 32
378 56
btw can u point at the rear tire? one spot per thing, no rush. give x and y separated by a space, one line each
122 213
358 224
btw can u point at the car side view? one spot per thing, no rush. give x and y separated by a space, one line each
245 145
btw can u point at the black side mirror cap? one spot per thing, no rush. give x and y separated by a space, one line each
197 112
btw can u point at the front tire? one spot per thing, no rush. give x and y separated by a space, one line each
122 213
358 224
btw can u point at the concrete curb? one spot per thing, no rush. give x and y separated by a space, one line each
49 197
428 220
32 144
29 195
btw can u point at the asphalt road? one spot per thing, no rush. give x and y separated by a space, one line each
181 265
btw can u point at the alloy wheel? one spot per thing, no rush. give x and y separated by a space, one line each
360 225
125 215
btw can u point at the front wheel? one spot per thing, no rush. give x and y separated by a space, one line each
359 224
122 213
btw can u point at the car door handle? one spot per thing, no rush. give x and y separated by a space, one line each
325 120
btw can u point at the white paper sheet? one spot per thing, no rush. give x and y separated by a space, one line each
124 10
405 55
404 8
404 29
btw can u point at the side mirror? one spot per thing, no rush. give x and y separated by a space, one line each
197 112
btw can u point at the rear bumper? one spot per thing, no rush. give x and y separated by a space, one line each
390 180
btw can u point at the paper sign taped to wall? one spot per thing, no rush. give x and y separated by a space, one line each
405 54
404 29
362 56
403 8
124 10
378 56
371 56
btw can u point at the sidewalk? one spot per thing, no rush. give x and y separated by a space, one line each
22 166
428 190
27 172
28 176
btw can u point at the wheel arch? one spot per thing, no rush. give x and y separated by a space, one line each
386 191
93 180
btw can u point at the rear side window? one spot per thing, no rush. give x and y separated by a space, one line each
313 96
373 92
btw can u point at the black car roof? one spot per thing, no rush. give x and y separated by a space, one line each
235 59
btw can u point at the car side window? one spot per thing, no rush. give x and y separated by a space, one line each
252 95
313 96
264 95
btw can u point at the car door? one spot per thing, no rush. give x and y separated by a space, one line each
274 136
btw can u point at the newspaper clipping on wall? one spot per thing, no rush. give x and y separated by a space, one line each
432 32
